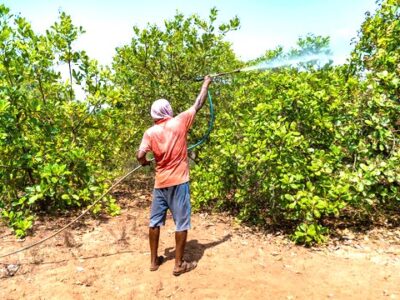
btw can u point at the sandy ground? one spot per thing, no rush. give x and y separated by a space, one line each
108 258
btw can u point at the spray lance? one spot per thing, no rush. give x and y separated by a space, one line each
200 78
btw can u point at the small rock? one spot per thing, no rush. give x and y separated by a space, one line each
12 269
287 266
80 269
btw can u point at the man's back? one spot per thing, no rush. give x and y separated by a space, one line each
167 139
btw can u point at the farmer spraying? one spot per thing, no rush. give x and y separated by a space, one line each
167 139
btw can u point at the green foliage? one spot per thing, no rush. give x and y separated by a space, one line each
52 153
57 151
300 147
309 234
279 163
378 49
293 147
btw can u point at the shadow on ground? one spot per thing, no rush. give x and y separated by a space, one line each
194 250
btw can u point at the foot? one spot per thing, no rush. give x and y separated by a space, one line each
159 261
184 267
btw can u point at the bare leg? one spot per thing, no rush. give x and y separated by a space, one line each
180 240
154 237
181 266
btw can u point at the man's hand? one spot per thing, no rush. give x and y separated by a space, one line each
207 80
141 157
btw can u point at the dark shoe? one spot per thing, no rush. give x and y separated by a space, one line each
185 267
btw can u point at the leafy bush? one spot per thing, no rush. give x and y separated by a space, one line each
302 146
292 147
52 154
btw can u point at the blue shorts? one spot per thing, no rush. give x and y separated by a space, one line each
175 198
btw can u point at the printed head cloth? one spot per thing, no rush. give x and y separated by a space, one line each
161 109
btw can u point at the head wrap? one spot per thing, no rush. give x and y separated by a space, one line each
161 109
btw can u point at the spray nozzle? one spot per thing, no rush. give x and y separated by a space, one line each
199 78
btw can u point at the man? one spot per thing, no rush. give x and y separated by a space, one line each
167 139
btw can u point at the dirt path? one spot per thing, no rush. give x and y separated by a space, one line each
108 259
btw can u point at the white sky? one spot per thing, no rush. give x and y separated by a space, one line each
265 24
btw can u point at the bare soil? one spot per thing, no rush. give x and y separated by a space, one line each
108 258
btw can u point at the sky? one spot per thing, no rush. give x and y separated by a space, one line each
265 24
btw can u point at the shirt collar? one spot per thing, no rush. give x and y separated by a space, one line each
162 120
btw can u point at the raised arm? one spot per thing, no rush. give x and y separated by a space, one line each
201 98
